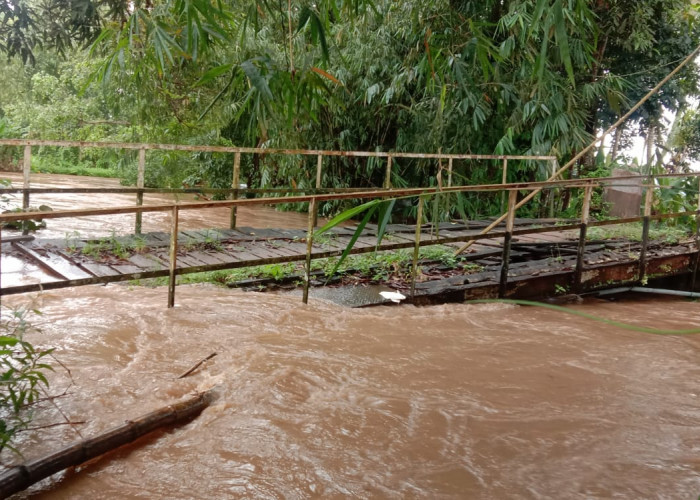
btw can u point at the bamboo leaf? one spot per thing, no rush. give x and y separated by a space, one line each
385 210
326 75
351 243
213 73
347 215
537 15
563 40
304 16
321 32
256 79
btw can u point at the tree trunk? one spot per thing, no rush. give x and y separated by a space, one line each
20 477
650 142
616 143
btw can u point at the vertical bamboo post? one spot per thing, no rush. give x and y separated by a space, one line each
0 269
449 173
387 176
319 172
173 256
697 244
140 181
585 215
235 183
309 247
416 247
505 264
645 232
504 180
26 169
436 204
553 175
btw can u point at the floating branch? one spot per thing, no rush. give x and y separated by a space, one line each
200 363
22 476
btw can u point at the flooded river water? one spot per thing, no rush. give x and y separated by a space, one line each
322 401
99 226
453 401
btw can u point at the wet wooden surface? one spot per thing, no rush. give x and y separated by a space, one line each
77 261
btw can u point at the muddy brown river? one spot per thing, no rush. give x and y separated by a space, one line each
322 401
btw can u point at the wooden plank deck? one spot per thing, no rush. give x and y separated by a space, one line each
68 263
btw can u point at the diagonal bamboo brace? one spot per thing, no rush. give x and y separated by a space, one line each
585 150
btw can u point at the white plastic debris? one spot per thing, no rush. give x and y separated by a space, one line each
393 296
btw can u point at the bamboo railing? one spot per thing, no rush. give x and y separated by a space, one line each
235 190
175 209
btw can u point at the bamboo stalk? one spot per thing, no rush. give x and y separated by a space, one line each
507 238
696 264
235 183
26 170
649 198
140 181
387 175
309 247
504 181
319 172
173 257
416 248
581 250
449 172
21 477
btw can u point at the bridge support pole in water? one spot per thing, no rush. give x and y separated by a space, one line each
504 180
173 256
505 264
140 182
235 183
319 173
0 270
416 247
645 234
581 251
26 169
309 245
697 247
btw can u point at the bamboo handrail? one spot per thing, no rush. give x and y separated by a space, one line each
263 151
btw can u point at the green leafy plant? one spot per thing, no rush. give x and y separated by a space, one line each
23 370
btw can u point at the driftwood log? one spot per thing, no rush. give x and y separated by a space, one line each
21 477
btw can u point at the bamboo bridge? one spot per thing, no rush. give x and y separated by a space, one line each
516 257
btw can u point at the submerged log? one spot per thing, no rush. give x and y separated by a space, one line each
21 477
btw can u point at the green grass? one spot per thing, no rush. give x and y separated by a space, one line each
375 266
49 166
633 232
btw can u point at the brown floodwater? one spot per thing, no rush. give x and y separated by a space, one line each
105 225
321 401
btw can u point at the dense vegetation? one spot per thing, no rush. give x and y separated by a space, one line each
459 76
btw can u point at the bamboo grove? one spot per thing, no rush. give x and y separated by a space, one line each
530 77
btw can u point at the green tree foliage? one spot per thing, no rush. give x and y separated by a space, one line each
23 370
491 77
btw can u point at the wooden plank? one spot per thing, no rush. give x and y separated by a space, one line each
100 270
145 261
40 260
222 256
280 251
206 258
126 268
